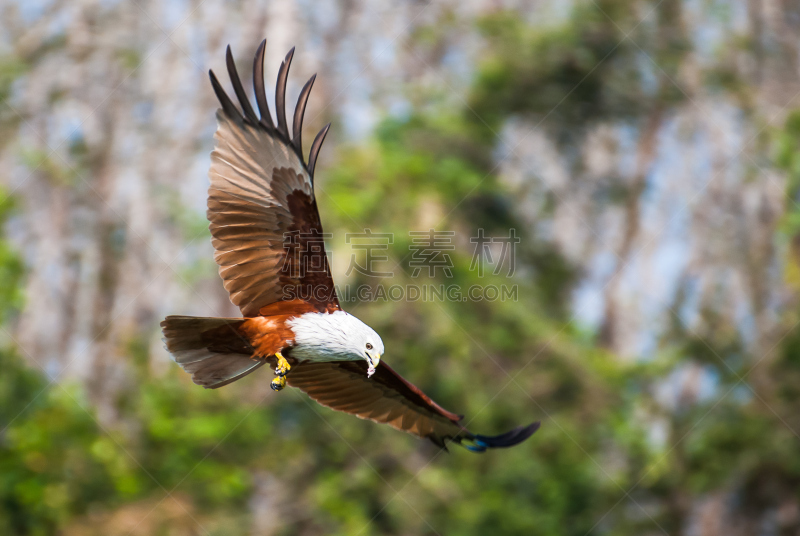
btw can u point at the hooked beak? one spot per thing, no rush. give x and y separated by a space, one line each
373 358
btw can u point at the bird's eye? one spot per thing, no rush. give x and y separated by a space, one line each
369 346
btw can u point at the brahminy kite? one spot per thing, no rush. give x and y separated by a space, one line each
264 218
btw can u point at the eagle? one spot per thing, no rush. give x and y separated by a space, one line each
265 229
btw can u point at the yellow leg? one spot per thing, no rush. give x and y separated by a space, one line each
281 369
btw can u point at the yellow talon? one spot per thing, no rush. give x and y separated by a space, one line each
281 367
278 383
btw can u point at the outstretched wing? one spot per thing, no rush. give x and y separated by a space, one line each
388 398
265 225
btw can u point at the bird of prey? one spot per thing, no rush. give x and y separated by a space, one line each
265 229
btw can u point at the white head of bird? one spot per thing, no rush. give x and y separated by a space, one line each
335 337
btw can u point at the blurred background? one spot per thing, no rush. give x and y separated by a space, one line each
646 153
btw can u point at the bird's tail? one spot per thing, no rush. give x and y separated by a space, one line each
213 350
480 443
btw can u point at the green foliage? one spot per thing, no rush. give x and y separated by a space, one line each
567 72
572 76
49 472
11 268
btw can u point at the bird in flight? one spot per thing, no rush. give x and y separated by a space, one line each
266 233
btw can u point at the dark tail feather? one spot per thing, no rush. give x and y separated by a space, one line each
212 350
480 443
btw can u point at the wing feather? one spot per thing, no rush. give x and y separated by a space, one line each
258 86
384 398
388 398
315 147
280 94
299 112
261 202
238 89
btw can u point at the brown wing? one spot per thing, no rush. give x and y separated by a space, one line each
265 225
388 398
